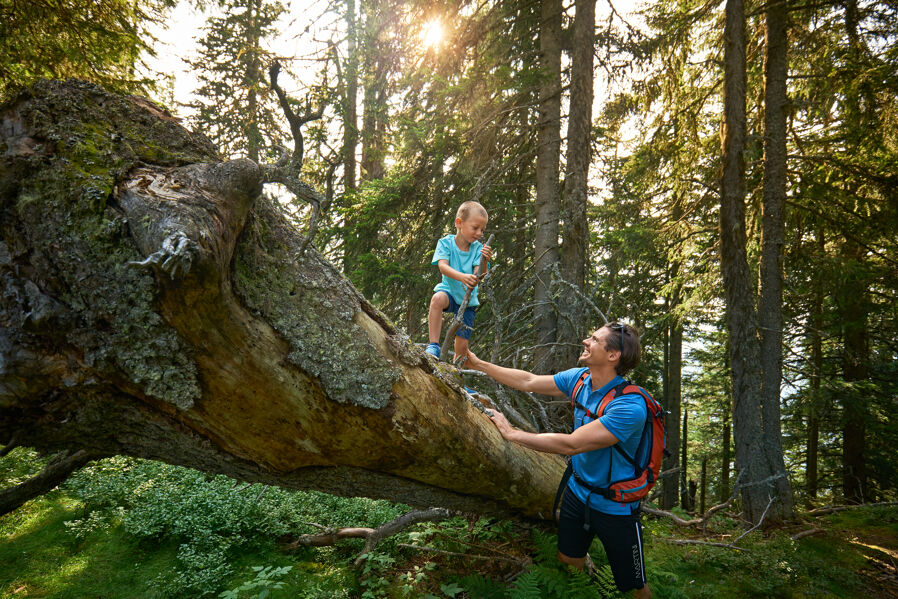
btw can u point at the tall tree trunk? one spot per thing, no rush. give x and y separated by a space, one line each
350 110
576 179
855 368
703 488
545 241
673 402
725 458
254 81
770 301
852 299
162 307
813 406
684 461
739 293
376 53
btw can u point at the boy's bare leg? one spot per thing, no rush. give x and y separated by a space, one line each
461 348
438 303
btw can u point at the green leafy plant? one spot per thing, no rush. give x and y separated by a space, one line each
260 587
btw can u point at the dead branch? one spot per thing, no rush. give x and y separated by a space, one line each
707 515
10 445
286 170
806 533
59 469
697 542
760 522
523 561
820 511
457 322
372 536
296 122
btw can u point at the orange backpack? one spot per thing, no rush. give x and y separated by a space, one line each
651 450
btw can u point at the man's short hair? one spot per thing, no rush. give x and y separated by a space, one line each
625 339
470 207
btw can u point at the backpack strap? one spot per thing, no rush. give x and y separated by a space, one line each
561 488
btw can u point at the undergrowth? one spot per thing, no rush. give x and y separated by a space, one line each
128 528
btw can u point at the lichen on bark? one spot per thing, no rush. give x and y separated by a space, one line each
66 236
313 307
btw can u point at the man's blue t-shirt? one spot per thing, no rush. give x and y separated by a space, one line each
461 261
624 418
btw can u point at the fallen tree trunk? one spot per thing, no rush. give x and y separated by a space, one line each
155 304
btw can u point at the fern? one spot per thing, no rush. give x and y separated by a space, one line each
479 587
527 586
546 545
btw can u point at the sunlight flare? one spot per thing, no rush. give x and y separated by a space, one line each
432 34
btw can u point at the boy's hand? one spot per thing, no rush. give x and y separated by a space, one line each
487 252
469 281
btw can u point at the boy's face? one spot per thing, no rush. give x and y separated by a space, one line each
472 227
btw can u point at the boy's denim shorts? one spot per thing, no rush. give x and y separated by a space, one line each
468 318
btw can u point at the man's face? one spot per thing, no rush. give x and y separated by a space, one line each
594 352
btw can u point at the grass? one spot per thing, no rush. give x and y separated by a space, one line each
43 556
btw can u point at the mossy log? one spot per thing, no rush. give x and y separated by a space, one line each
155 304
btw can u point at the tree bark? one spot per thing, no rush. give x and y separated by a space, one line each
855 368
576 179
770 301
684 461
350 108
545 243
739 293
156 304
816 333
673 399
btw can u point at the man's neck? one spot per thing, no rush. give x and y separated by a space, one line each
601 376
462 243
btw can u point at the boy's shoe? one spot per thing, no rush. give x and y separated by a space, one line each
433 349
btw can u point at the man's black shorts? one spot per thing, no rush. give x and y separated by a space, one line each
620 535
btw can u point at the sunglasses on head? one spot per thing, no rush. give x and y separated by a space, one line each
617 326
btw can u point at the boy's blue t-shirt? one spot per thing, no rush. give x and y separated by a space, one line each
624 418
461 261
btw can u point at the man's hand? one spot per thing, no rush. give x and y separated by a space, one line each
501 422
469 281
474 362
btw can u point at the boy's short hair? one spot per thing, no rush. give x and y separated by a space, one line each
467 208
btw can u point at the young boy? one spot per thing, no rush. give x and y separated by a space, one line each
457 256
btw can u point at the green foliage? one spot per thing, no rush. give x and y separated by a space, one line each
210 520
236 107
265 581
99 41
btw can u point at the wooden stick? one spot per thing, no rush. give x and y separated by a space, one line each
806 533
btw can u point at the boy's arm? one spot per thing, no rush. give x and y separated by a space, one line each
519 379
466 279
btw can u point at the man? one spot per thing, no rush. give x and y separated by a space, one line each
608 354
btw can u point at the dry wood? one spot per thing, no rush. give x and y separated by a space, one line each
220 348
59 469
820 511
806 533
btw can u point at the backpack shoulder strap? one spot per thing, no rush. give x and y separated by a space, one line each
579 385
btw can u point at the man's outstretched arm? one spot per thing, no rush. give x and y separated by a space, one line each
586 438
519 379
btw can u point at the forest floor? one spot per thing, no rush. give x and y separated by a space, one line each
128 529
